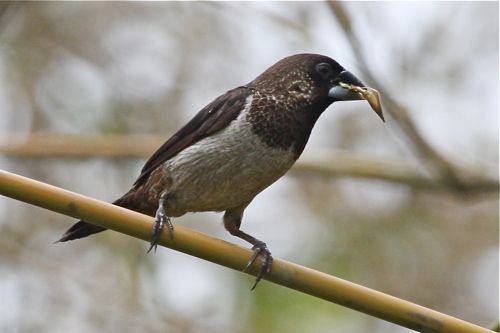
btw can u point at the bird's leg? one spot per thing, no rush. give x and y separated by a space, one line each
232 224
161 219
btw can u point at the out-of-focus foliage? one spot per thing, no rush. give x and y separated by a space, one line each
114 67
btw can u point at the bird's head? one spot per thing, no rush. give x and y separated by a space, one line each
313 80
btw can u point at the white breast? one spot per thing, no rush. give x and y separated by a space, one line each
225 170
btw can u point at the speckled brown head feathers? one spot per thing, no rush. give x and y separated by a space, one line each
289 97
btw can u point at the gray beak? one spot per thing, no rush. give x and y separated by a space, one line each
350 88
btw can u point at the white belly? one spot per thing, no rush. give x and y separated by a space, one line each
223 171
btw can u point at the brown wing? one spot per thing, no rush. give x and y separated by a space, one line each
212 118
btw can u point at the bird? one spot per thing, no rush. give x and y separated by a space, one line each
236 146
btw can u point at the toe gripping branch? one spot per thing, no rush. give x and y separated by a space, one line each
161 219
260 248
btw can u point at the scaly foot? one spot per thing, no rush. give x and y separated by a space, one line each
260 248
161 219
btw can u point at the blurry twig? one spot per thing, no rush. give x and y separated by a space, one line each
284 273
447 171
343 163
320 162
79 146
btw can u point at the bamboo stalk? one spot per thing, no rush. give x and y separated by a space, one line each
285 273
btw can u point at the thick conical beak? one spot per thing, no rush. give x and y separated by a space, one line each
350 88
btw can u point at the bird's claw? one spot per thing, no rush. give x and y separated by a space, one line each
260 248
161 219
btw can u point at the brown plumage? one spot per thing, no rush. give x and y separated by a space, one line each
236 146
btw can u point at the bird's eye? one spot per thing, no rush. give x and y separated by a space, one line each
325 70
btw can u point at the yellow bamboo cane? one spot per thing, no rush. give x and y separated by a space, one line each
223 253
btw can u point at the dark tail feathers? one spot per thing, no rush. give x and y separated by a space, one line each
79 230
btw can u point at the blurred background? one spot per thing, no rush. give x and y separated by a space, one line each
409 207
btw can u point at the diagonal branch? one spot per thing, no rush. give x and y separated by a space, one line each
223 253
399 112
